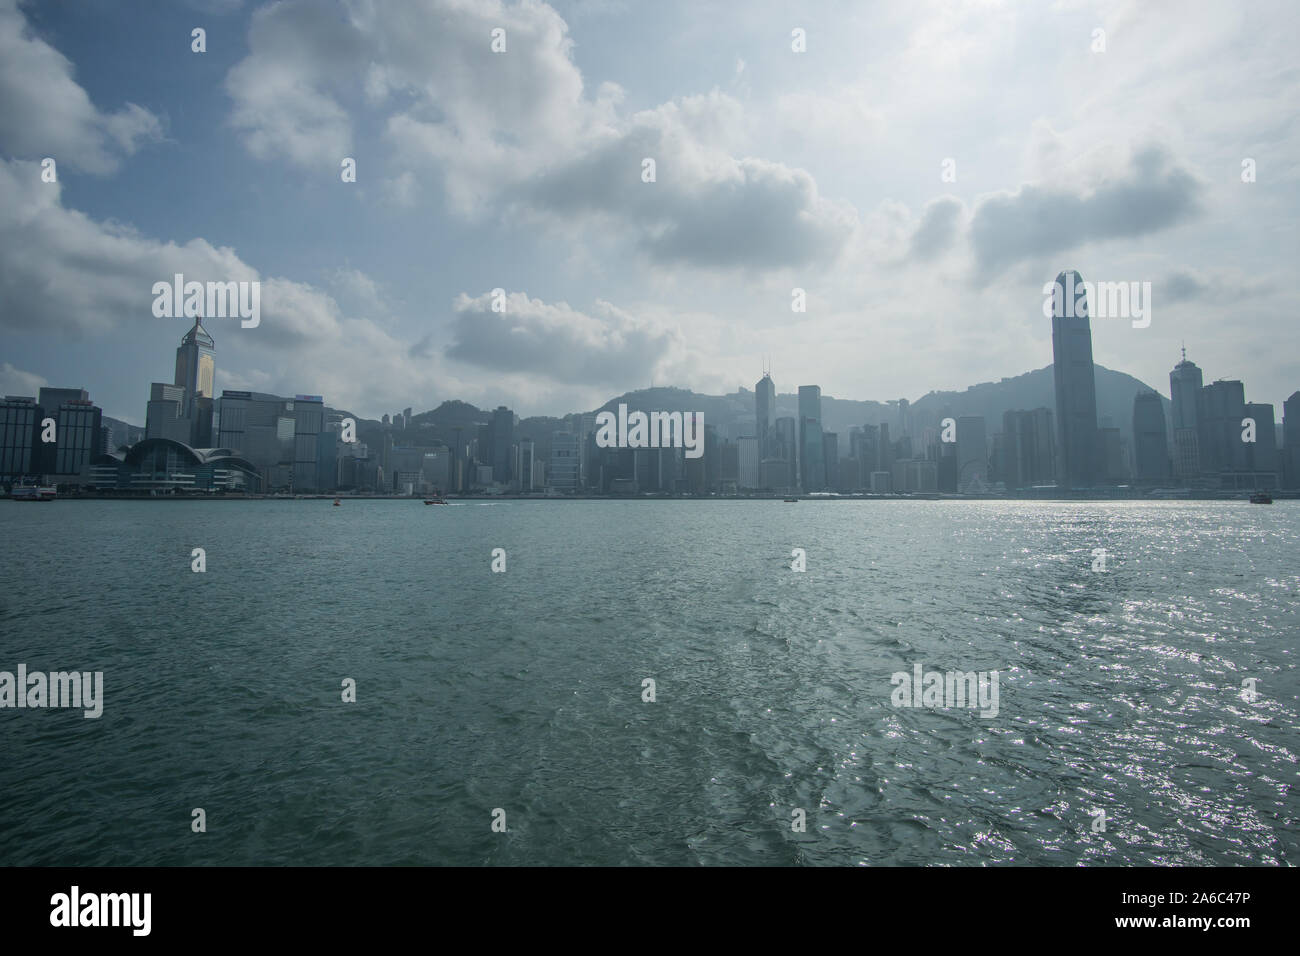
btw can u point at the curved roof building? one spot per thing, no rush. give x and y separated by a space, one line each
167 464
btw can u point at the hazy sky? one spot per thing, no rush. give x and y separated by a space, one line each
522 170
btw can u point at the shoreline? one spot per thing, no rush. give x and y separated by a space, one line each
481 499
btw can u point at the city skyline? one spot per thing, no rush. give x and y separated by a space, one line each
255 441
204 354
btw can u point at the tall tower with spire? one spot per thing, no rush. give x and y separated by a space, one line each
196 364
195 371
764 410
1185 383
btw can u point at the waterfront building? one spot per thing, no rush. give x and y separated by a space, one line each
1150 442
1185 385
1073 374
812 459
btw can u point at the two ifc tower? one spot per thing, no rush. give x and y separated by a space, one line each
1076 390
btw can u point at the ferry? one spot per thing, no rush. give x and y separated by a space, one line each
31 491
1261 498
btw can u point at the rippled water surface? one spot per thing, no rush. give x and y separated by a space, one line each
1120 691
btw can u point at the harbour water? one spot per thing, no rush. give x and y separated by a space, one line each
1125 691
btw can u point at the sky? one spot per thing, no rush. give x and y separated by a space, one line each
919 170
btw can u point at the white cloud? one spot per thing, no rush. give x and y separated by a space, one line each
14 381
518 126
66 274
44 112
557 342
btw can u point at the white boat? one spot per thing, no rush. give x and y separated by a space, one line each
31 491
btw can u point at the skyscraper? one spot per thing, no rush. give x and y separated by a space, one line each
1291 440
1029 449
1261 454
502 439
1150 443
525 457
764 409
831 453
1076 391
77 430
1185 390
812 462
563 473
1221 408
972 454
281 437
785 438
165 413
748 460
20 441
195 366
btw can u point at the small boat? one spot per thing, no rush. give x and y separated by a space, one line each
337 502
791 501
31 491
1260 498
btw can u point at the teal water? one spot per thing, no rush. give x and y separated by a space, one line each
1119 691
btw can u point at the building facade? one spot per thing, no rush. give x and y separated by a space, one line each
1076 392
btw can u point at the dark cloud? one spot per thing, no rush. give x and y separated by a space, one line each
704 209
557 342
1154 194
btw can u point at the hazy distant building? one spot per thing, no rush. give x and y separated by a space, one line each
1291 440
502 439
831 459
812 459
562 475
1112 467
1261 455
972 454
1028 449
525 459
947 467
1150 442
864 449
747 453
1076 393
1222 407
1185 385
764 410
